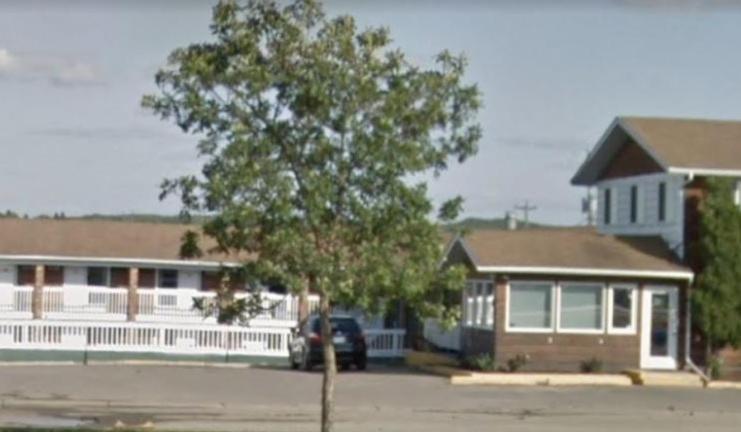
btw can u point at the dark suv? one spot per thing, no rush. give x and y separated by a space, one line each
306 350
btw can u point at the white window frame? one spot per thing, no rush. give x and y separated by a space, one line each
632 329
639 204
612 202
566 330
549 329
478 307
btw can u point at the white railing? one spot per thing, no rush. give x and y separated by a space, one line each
85 302
385 342
169 339
15 301
449 339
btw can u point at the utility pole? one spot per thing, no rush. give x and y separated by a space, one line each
526 209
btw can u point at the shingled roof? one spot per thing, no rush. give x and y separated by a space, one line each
702 147
98 239
570 251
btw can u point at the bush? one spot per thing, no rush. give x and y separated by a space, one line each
481 362
517 362
715 366
593 365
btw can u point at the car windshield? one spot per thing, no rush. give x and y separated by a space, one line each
341 325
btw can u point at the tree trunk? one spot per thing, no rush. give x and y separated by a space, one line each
330 365
303 306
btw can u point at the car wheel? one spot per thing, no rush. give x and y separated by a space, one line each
306 362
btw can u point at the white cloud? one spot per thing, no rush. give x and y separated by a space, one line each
56 70
7 62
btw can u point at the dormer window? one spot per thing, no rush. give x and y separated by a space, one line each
662 202
634 204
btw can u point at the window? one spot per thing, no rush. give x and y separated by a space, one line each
168 278
662 202
25 275
633 204
97 276
622 309
581 307
530 306
478 303
608 206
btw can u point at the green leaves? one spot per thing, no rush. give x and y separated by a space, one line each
311 130
717 301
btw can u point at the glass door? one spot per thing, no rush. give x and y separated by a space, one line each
659 328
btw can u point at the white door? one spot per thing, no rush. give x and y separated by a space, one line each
659 329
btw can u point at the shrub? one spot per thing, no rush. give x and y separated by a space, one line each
517 362
481 362
593 365
715 366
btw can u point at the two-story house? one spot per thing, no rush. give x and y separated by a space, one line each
617 292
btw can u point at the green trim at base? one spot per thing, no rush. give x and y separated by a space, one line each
31 356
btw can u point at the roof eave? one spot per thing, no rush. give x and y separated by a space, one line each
588 173
113 261
586 271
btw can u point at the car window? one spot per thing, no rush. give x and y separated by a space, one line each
342 325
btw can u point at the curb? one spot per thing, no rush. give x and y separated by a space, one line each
541 379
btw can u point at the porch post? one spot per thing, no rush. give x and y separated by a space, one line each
132 303
37 296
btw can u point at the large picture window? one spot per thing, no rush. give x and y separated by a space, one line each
530 306
581 307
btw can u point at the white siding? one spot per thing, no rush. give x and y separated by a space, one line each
75 276
7 274
189 279
671 229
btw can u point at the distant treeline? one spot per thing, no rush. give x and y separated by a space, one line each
468 223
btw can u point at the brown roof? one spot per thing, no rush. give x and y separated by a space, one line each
690 144
75 238
686 143
576 248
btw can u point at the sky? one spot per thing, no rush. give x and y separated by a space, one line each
553 75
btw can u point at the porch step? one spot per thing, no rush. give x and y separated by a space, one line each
664 378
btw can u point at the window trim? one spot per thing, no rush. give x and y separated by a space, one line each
608 206
551 328
633 328
634 214
662 202
158 278
566 330
482 305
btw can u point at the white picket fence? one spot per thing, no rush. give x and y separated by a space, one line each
166 338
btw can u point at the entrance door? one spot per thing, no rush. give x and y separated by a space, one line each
659 327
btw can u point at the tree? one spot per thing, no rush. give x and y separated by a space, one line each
316 137
717 300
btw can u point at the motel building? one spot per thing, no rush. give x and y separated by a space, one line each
83 290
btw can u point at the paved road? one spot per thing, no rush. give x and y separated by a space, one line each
380 400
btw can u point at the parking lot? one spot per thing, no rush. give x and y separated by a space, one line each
382 399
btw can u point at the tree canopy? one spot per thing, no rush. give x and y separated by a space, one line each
316 137
718 297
